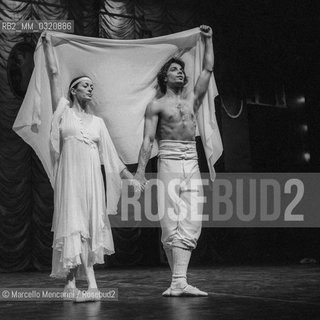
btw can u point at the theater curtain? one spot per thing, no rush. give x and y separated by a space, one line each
26 196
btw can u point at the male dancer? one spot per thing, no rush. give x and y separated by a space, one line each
173 118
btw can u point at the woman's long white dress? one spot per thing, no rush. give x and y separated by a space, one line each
80 220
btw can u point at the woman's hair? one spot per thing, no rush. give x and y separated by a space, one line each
75 86
161 76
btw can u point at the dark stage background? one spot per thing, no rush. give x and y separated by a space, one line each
267 73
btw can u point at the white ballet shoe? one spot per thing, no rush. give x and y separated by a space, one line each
188 291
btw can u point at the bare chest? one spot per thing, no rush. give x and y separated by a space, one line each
175 112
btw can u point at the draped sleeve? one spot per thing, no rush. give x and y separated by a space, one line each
55 127
113 167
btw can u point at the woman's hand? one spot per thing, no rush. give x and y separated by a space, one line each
46 38
138 184
141 179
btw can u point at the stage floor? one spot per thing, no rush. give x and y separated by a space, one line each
235 292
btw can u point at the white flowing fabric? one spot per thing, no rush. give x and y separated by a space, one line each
124 75
79 148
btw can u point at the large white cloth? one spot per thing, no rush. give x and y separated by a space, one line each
124 76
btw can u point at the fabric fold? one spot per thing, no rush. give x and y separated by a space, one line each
80 222
124 75
113 167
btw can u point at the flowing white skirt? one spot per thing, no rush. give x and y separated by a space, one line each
80 222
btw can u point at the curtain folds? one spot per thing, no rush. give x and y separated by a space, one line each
25 193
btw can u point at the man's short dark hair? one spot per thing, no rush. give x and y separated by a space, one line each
164 70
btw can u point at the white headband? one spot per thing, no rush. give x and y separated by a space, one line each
79 80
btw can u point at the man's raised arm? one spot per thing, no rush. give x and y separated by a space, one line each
201 86
150 128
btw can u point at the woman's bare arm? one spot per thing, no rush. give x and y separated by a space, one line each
55 83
